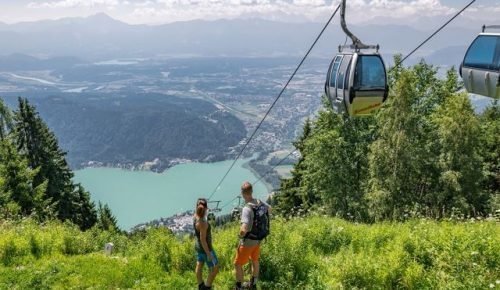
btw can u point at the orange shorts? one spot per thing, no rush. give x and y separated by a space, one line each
243 254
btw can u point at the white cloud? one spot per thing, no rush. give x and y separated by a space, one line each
404 12
74 3
300 10
309 2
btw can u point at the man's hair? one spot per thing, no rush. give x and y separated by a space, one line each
246 188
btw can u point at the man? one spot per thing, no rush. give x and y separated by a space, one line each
254 228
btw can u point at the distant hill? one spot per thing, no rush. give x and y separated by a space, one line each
23 62
447 55
131 130
101 37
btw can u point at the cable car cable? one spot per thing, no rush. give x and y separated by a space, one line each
435 32
274 167
229 202
275 101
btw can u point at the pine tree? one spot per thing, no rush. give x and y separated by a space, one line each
106 220
18 184
40 147
6 122
86 218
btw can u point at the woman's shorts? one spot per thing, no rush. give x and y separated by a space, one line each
202 257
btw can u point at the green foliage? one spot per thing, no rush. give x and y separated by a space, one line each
139 128
5 120
311 253
459 161
490 142
292 197
35 179
425 153
105 218
40 147
17 186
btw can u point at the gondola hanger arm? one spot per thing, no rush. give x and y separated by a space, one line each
357 44
490 27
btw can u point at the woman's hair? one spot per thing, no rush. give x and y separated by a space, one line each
200 211
201 207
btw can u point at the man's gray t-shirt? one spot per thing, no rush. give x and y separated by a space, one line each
247 217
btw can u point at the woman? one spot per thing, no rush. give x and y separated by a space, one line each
203 245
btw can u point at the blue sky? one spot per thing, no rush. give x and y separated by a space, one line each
411 12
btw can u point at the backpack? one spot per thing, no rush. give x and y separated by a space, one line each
261 225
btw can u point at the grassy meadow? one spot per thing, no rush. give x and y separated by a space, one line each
302 253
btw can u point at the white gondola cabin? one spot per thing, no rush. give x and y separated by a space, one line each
480 69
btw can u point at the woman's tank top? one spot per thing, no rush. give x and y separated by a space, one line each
198 246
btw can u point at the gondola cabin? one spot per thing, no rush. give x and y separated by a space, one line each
357 83
480 69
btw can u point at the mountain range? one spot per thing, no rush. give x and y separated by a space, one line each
102 37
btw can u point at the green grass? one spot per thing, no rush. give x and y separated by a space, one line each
308 253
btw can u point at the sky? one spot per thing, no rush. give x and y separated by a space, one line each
154 12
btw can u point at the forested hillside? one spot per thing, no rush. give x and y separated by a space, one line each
425 154
130 130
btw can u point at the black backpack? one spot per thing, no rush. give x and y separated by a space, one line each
260 226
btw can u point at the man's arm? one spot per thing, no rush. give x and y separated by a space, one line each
243 230
246 219
269 208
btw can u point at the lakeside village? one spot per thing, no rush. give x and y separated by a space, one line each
182 223
156 165
179 224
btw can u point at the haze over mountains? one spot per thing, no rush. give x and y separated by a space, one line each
101 37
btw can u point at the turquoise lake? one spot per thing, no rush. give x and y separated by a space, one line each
140 196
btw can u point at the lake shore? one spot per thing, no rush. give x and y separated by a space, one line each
268 186
137 197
